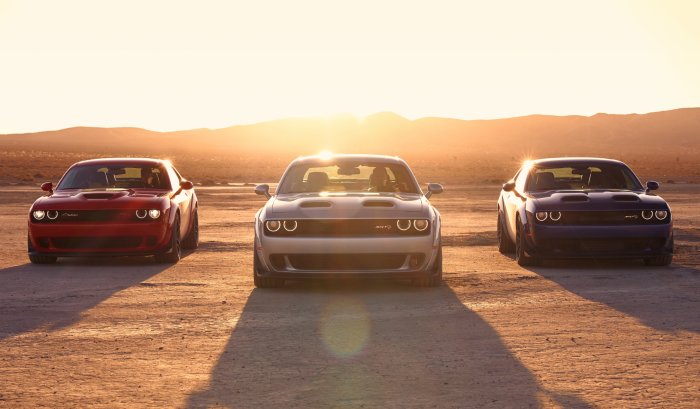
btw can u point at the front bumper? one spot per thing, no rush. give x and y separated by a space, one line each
631 241
99 239
385 257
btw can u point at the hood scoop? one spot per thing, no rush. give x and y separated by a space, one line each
98 195
625 198
377 203
315 203
574 198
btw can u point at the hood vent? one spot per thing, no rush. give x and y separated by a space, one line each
377 203
315 204
574 198
625 198
98 195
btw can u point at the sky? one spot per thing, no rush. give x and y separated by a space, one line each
171 65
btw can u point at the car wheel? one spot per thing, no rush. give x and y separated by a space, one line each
520 254
175 253
434 276
664 260
38 258
191 242
264 282
505 244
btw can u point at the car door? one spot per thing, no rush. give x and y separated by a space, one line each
182 199
513 200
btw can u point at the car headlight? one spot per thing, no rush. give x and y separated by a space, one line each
290 225
39 214
541 216
647 214
154 213
273 225
141 213
420 224
555 216
661 214
52 214
403 224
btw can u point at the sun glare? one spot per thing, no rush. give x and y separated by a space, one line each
326 155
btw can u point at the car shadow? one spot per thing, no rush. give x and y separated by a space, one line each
663 298
51 297
373 345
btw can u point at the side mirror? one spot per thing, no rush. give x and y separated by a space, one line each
186 185
263 190
652 185
433 189
47 187
509 187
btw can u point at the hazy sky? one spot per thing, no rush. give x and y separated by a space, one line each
171 64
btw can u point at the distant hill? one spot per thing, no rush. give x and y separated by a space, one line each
667 135
676 130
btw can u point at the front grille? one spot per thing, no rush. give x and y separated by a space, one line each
604 218
602 246
347 228
94 216
96 242
343 262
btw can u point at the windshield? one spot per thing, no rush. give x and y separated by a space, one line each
343 176
582 177
124 177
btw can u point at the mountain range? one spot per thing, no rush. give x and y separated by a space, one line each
667 135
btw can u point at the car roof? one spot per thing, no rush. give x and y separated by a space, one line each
349 157
122 161
575 159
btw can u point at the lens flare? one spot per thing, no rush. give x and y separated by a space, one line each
345 326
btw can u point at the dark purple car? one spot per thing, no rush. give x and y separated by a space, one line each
583 208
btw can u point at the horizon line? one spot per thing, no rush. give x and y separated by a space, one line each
346 114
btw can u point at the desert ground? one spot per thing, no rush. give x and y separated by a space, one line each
126 332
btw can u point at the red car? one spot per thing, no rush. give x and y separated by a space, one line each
115 207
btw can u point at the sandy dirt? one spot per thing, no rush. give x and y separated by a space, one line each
131 333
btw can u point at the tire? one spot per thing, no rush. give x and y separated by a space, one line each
191 242
505 244
175 253
434 277
38 258
520 254
664 260
264 282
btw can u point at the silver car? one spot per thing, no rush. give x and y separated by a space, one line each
347 216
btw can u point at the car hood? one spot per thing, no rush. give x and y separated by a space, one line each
597 200
347 205
102 199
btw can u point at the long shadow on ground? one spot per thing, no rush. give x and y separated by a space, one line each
664 298
378 345
54 296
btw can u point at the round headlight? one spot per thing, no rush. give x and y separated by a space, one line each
661 214
52 214
290 225
403 224
154 213
555 216
273 225
38 214
541 216
141 213
647 214
420 224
